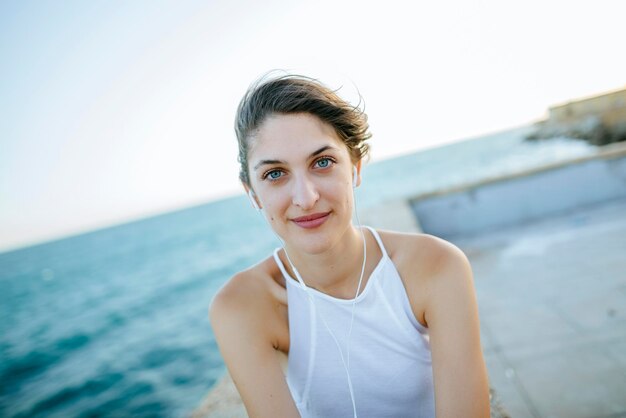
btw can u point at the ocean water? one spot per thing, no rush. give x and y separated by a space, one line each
114 322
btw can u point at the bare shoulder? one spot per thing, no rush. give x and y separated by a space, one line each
240 289
250 299
437 275
422 254
429 267
258 285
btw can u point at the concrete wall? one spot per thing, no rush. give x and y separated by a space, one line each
395 215
525 196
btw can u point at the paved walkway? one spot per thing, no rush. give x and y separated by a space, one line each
552 300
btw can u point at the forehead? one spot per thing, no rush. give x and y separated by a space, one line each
288 136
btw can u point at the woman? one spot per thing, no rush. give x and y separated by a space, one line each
343 320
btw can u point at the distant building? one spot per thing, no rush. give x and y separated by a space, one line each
598 119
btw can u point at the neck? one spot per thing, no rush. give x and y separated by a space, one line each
336 271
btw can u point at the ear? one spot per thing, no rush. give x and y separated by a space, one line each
358 172
252 196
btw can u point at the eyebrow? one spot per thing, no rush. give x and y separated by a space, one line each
313 154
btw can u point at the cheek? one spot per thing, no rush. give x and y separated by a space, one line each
272 197
340 192
275 206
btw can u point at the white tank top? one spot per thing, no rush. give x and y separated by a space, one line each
390 359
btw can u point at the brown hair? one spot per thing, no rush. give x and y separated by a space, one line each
299 94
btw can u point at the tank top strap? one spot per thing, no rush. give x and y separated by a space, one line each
280 264
378 240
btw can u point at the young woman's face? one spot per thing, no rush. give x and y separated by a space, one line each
301 173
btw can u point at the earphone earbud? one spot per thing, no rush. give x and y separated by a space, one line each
253 200
354 177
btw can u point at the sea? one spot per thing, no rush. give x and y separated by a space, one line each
114 322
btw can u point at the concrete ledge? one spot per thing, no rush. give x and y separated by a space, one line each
524 196
611 151
222 401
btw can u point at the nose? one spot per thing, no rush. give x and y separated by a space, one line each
304 193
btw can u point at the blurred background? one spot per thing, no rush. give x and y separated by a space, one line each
121 212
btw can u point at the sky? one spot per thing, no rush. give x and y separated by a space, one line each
117 110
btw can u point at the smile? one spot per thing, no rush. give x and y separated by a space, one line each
311 221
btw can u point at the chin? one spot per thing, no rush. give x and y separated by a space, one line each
309 241
317 240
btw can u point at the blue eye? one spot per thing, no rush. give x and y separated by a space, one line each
273 175
323 162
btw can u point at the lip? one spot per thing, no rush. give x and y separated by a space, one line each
311 221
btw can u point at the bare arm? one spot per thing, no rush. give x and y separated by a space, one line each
240 321
460 376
